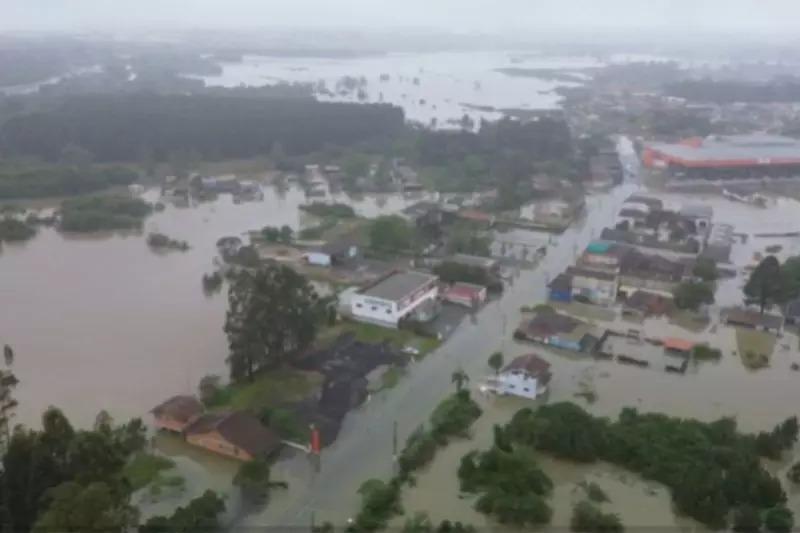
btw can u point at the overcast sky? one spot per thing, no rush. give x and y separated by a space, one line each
458 15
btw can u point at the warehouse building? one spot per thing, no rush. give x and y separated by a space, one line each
398 295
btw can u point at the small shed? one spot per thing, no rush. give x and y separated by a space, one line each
676 345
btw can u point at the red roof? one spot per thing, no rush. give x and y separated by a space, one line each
679 345
466 291
531 363
181 408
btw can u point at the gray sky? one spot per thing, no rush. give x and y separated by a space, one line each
458 15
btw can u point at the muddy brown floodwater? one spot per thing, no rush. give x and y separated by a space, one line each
102 322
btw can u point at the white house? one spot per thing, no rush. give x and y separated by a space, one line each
393 297
594 286
526 376
332 253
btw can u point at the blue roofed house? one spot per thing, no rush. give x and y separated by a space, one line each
560 289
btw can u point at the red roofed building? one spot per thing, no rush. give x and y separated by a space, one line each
238 434
177 413
466 294
731 156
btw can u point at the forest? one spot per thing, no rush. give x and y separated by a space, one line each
124 127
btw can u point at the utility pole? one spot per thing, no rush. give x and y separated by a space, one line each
394 447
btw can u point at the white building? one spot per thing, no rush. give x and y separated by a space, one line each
526 376
394 297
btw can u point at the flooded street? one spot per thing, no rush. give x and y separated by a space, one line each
102 322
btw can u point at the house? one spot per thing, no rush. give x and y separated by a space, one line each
527 376
177 413
559 331
218 185
603 255
393 297
792 312
236 434
650 202
700 214
749 318
678 346
651 273
475 215
466 294
333 253
423 214
643 304
560 289
593 286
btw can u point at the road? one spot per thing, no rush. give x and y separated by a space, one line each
365 444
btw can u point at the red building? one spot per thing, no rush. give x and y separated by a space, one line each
720 157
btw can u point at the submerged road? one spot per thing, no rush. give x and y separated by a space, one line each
364 449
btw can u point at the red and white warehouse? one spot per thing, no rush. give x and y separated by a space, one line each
732 156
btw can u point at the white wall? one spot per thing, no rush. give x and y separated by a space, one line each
519 384
318 259
371 309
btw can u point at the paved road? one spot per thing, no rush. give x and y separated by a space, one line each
364 447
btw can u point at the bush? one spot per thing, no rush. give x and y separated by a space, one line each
779 520
703 351
379 503
55 180
13 230
587 517
454 416
103 213
419 451
692 294
594 492
161 241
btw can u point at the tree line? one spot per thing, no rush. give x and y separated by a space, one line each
123 127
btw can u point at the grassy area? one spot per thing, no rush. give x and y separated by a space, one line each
755 347
391 377
689 321
268 389
145 468
587 311
399 338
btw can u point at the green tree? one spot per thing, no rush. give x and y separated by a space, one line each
765 285
272 314
418 523
286 234
95 507
391 233
496 362
460 378
254 482
201 514
779 520
705 268
355 165
588 518
746 519
693 294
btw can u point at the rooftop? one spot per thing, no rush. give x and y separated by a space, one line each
697 211
545 324
473 260
530 363
465 290
397 285
562 282
239 428
591 274
182 408
750 317
733 149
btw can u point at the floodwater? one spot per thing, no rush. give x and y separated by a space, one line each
102 322
427 86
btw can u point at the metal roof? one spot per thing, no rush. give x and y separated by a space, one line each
398 285
758 149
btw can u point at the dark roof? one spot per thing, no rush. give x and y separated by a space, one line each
339 246
240 428
651 266
589 273
545 324
182 408
648 302
633 213
562 282
753 318
397 285
531 363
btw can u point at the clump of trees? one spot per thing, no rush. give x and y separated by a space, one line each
693 294
773 283
273 313
15 230
710 468
159 241
587 517
39 181
451 272
323 210
100 213
705 268
254 481
283 235
201 514
392 233
704 351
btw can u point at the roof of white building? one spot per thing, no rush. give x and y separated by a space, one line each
398 285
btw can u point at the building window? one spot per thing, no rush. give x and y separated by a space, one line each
359 305
526 389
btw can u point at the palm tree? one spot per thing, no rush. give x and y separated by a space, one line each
460 378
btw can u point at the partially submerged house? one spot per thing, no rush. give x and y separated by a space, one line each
593 286
650 272
398 295
333 253
177 413
643 304
236 434
750 318
466 294
559 331
560 289
527 376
